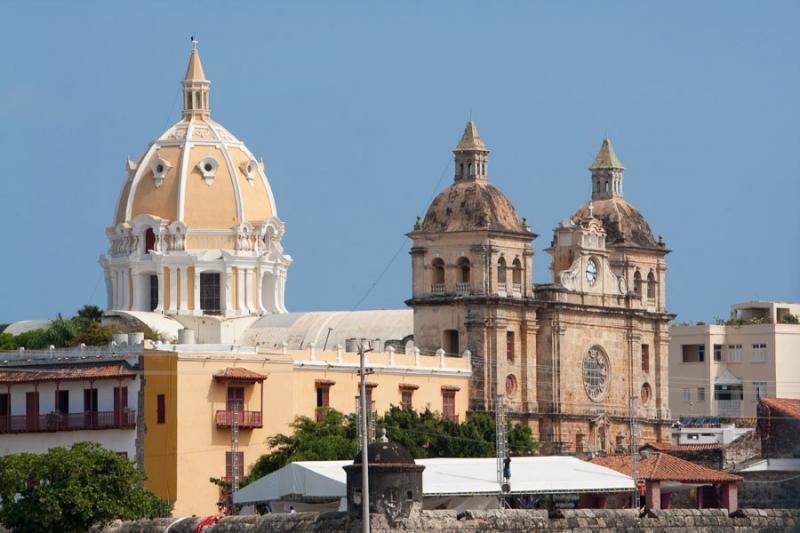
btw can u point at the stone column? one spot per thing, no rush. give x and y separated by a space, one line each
197 309
182 305
528 330
259 291
240 285
136 302
248 291
173 289
160 275
126 289
227 273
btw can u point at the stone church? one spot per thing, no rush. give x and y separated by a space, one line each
574 358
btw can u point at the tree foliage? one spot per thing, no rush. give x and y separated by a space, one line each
72 489
424 434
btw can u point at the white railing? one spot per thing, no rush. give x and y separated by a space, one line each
516 289
501 288
462 288
437 289
76 352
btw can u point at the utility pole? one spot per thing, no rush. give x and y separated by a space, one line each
501 441
634 451
362 352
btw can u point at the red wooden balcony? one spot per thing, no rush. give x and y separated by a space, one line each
68 422
245 419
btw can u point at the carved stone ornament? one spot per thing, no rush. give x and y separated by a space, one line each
596 374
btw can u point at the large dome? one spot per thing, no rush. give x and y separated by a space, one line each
197 173
624 224
469 206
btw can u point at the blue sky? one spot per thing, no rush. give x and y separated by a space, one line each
355 108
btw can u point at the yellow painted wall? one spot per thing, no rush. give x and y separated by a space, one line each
122 206
255 200
158 201
199 452
209 207
160 440
166 287
235 287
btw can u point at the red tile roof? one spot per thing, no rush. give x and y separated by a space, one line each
238 374
72 373
665 467
783 406
669 447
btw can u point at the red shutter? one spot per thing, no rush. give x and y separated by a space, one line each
229 465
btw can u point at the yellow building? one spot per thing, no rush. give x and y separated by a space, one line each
192 391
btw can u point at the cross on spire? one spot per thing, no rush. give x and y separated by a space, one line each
195 42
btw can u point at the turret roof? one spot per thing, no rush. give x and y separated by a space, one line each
471 140
606 158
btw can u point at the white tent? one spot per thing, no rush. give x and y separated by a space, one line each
445 477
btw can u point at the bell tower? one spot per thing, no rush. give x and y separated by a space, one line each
606 174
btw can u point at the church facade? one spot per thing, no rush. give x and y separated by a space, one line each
578 358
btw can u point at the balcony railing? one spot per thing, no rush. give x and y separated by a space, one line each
462 289
437 289
68 422
729 407
516 289
501 288
245 419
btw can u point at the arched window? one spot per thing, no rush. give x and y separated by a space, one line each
438 271
153 292
516 273
149 241
651 286
469 167
461 174
637 283
501 270
463 270
606 186
210 292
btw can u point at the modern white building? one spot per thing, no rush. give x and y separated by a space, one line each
51 398
722 369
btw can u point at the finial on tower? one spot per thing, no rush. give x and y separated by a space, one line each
195 42
606 173
471 155
195 86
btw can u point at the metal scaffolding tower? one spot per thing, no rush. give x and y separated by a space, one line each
370 425
634 451
501 444
235 448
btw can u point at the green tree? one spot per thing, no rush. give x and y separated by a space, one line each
333 438
69 490
7 341
61 331
89 314
424 434
32 340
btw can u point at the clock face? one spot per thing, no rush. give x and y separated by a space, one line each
591 273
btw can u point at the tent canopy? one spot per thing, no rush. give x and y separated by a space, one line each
446 477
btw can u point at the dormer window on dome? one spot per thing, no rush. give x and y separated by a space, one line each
208 168
159 168
250 170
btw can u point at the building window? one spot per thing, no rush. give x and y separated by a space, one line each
62 401
645 358
449 405
407 395
161 409
694 353
5 404
510 346
759 353
637 283
438 271
516 274
734 353
728 392
31 410
701 394
759 389
153 292
323 391
89 400
501 270
149 241
230 468
209 292
120 399
234 397
687 395
651 286
450 341
717 352
463 270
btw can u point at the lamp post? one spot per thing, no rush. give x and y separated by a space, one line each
362 351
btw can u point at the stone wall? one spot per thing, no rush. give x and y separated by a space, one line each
506 521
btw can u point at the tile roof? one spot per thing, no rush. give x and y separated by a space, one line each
239 374
665 467
669 447
71 373
783 405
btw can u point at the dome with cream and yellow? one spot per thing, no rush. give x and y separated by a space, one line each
196 229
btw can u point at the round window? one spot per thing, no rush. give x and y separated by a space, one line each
596 372
208 167
160 168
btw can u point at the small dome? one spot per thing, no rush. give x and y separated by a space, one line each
624 225
386 453
471 205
